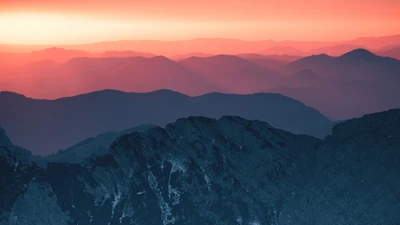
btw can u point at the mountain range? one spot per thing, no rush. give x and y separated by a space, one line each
356 83
213 46
232 74
46 126
199 170
343 87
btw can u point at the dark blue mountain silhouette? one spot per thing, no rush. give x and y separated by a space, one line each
360 54
45 126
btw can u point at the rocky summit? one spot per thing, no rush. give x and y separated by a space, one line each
228 171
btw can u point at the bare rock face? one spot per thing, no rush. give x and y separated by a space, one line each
38 199
227 171
356 178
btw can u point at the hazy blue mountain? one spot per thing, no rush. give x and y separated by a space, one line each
346 100
356 83
93 146
227 171
359 64
46 126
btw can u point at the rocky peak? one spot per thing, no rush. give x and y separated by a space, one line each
205 171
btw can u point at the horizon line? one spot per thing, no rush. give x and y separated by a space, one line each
132 92
199 38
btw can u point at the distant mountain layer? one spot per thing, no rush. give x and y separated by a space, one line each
91 147
351 85
232 74
334 89
393 52
227 171
193 76
46 126
359 64
212 45
356 83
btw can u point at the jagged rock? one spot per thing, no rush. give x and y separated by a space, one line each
227 171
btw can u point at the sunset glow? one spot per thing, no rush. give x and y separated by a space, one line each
73 22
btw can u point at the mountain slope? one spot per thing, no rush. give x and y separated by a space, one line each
359 64
336 50
51 125
92 146
14 153
393 52
227 171
81 75
232 74
354 84
304 78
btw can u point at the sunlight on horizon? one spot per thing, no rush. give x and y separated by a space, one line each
54 29
63 29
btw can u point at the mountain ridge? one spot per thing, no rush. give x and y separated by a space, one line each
61 117
199 170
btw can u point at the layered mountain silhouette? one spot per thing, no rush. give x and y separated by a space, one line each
284 50
232 74
227 171
212 46
283 58
60 55
272 62
335 50
359 64
356 83
82 75
343 100
45 126
351 85
192 76
392 51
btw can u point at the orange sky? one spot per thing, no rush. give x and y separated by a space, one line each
80 21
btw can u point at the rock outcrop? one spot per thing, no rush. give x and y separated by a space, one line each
226 171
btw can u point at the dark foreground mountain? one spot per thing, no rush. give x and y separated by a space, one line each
227 171
45 126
